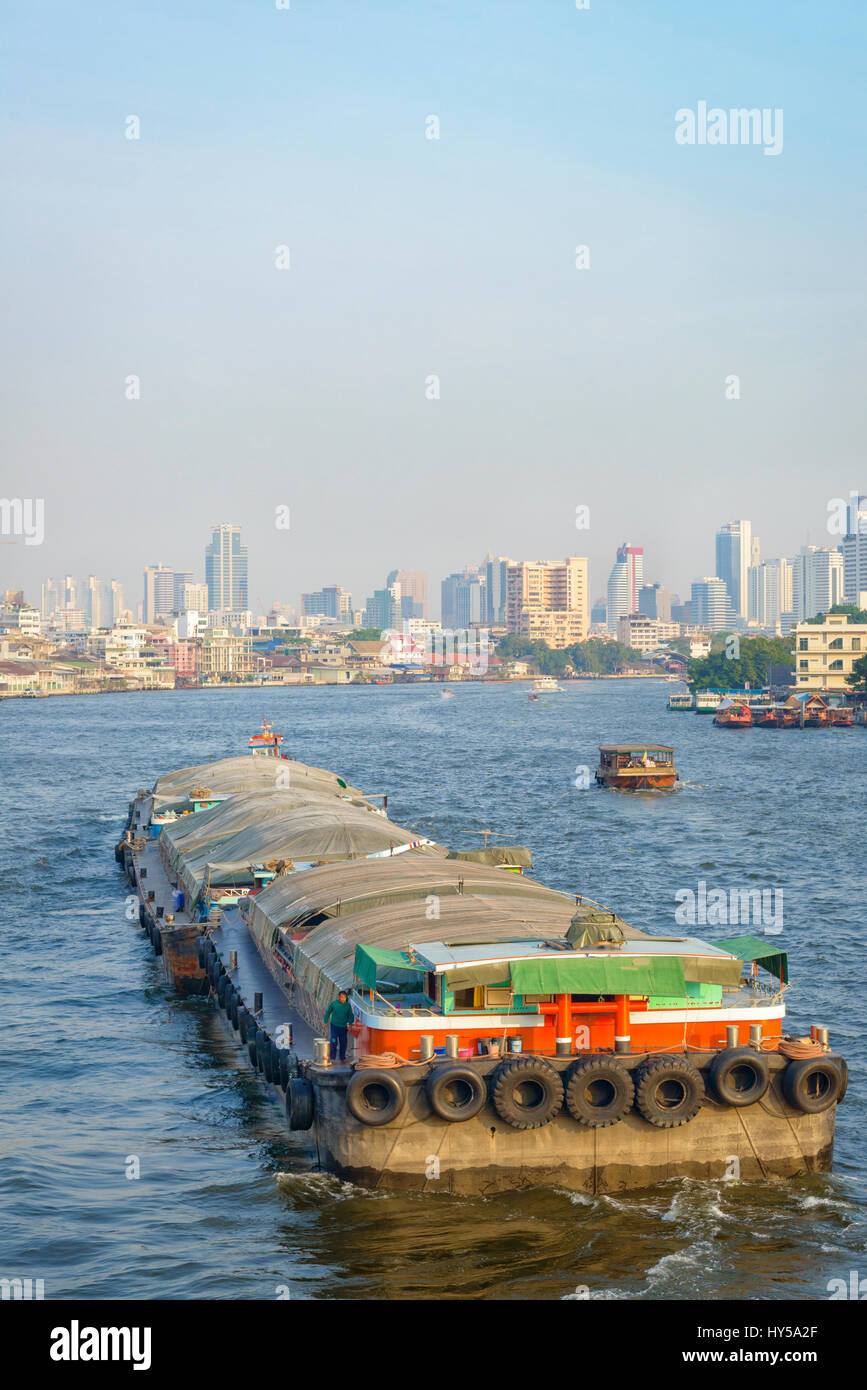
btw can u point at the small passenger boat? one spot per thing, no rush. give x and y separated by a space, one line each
266 741
636 767
738 716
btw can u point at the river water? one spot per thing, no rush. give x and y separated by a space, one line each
105 1072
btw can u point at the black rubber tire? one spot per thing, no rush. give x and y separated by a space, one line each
142 920
201 952
118 854
669 1091
456 1093
375 1097
844 1074
812 1084
234 1008
299 1103
739 1076
245 1022
157 940
526 1092
224 984
262 1045
252 1036
285 1068
598 1092
273 1063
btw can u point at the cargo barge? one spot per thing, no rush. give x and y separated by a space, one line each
503 1034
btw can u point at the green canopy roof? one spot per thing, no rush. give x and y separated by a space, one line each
374 964
749 948
614 974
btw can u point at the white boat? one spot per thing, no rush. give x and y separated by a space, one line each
546 684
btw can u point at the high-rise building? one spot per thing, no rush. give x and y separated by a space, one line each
382 609
50 598
655 602
331 601
226 569
855 550
496 569
548 600
624 583
736 550
413 591
817 581
159 593
770 593
710 604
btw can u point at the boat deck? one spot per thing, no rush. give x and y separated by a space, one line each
230 933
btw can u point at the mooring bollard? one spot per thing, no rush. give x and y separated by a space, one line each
755 1034
426 1045
732 1032
233 960
321 1052
257 1003
823 1036
452 1041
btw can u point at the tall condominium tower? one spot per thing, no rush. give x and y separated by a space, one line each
736 550
548 600
226 569
624 583
770 593
463 600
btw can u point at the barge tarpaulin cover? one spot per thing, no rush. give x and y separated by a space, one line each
229 776
325 830
386 904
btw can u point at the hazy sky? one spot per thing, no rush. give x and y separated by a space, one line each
413 257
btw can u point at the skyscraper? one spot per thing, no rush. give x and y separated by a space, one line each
226 569
159 593
770 592
711 605
655 602
855 551
624 582
817 581
463 600
496 586
736 551
413 591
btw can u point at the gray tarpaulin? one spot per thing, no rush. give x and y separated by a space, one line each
255 772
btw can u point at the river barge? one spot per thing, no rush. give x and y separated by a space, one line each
504 1034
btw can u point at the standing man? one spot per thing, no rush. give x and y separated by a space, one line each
339 1016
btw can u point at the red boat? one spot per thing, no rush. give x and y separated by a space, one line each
840 718
734 717
765 718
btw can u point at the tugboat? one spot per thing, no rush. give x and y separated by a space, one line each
738 716
636 767
266 742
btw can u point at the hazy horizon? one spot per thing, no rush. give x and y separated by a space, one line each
412 257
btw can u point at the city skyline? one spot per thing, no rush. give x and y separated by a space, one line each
850 512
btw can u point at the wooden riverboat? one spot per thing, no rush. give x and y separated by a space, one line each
738 716
840 718
636 767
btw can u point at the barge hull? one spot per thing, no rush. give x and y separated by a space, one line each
419 1151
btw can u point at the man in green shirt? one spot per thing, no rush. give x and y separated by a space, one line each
339 1016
